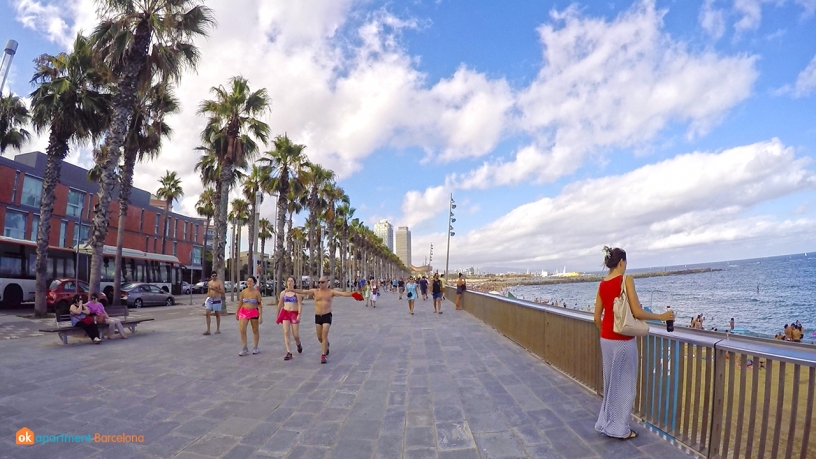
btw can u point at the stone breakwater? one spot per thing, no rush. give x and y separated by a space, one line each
498 283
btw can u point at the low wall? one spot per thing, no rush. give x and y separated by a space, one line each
722 396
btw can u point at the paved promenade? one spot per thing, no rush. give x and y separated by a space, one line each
396 386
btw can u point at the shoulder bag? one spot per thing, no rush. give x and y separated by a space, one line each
625 322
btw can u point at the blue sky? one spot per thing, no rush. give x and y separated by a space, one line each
681 130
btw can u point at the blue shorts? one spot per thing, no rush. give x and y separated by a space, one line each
437 296
213 304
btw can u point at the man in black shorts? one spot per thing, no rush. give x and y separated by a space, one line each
323 296
423 287
401 285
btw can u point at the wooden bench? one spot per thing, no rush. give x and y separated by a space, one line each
64 327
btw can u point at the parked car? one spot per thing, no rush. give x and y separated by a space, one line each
60 292
241 285
200 287
185 288
140 294
228 286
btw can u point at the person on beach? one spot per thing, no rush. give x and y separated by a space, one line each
290 307
213 303
436 291
461 286
98 311
619 353
250 310
323 296
411 294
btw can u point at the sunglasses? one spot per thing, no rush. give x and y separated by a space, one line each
321 282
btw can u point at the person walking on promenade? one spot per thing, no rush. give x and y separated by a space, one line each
411 294
250 310
290 307
444 285
423 287
619 353
401 284
213 303
323 296
374 293
461 286
436 290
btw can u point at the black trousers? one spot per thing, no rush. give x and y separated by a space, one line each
90 329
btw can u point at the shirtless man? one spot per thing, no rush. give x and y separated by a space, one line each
323 296
213 303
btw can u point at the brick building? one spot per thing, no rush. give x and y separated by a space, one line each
75 198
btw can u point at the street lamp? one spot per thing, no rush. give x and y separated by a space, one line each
450 233
5 64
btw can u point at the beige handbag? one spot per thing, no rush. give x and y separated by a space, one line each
625 322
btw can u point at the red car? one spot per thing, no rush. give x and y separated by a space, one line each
61 291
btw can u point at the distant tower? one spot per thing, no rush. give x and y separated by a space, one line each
403 249
385 231
5 64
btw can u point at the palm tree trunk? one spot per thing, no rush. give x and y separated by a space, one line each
312 245
122 107
251 238
204 249
166 227
221 224
332 250
279 239
290 246
57 150
125 188
262 277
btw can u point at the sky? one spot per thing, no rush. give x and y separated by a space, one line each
683 131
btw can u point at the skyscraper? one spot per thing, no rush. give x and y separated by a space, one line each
403 243
385 231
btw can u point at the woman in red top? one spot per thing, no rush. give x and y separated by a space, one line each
619 352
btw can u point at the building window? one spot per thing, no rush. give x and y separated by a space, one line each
195 235
175 228
141 223
14 191
195 256
35 227
63 233
147 244
167 221
174 249
185 230
32 192
15 225
84 233
157 227
75 200
155 242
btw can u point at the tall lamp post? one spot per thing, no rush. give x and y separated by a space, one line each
5 64
450 233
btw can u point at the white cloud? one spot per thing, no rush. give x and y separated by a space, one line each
806 82
420 206
712 20
57 20
693 201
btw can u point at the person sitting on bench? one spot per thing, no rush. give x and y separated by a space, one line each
81 318
98 311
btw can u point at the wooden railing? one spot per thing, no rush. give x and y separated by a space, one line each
721 396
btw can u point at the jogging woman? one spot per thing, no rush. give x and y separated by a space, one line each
290 307
250 310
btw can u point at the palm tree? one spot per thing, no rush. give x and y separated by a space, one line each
143 141
265 231
296 202
141 41
318 176
170 190
334 196
345 213
257 183
206 208
71 104
233 127
285 158
239 216
13 116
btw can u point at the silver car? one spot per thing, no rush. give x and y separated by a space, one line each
142 294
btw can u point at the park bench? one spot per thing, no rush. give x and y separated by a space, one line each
64 327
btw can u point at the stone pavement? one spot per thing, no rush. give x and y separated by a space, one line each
396 386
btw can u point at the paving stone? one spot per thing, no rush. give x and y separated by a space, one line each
169 445
567 443
545 419
212 445
454 435
459 454
498 445
543 451
240 452
280 442
260 434
389 446
419 419
320 434
418 437
488 422
279 415
308 452
361 429
529 435
330 414
236 426
421 453
353 449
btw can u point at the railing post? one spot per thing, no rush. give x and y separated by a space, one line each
717 407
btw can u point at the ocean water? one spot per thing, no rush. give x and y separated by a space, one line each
787 293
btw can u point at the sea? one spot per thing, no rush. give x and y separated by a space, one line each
762 294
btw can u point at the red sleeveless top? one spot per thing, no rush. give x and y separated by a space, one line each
608 291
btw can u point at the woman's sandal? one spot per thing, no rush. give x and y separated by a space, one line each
632 434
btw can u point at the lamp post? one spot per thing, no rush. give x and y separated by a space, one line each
450 233
5 64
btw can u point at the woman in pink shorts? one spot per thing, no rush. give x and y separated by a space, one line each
290 306
250 309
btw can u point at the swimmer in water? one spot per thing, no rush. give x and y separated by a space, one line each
250 310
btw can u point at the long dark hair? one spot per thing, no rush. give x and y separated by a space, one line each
76 299
612 257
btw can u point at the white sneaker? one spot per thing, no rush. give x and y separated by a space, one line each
97 340
255 350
